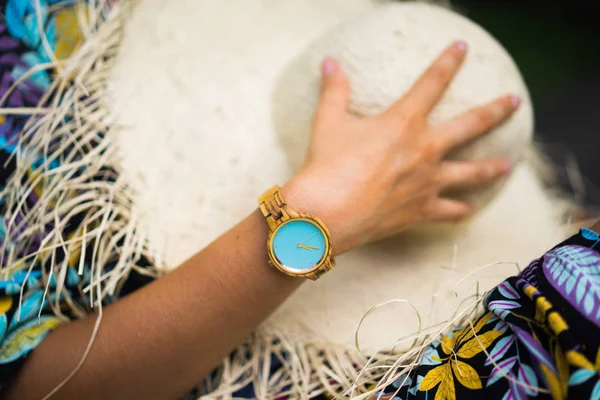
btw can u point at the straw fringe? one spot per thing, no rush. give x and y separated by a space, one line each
77 175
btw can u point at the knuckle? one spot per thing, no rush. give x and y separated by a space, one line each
483 116
430 150
401 120
335 87
480 175
330 99
441 72
398 126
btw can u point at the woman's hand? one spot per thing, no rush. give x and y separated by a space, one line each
370 178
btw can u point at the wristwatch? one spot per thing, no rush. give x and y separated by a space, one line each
298 244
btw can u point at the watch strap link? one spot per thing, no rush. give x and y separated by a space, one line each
274 208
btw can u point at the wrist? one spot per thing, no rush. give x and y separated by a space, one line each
305 195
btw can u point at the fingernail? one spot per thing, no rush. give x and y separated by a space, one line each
515 100
506 167
461 46
329 66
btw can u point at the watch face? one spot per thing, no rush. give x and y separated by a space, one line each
299 245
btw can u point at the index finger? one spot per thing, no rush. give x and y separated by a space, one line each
430 86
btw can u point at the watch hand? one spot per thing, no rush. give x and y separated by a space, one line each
307 247
308 238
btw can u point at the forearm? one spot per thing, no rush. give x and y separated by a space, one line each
161 340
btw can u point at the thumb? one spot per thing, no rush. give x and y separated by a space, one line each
335 91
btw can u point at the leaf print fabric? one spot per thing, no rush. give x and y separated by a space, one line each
539 338
574 271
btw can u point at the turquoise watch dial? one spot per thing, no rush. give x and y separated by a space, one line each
299 245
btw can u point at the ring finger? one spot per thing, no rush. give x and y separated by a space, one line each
462 175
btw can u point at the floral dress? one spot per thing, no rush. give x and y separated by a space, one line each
538 338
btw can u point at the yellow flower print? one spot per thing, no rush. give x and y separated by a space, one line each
5 304
446 389
463 345
466 375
